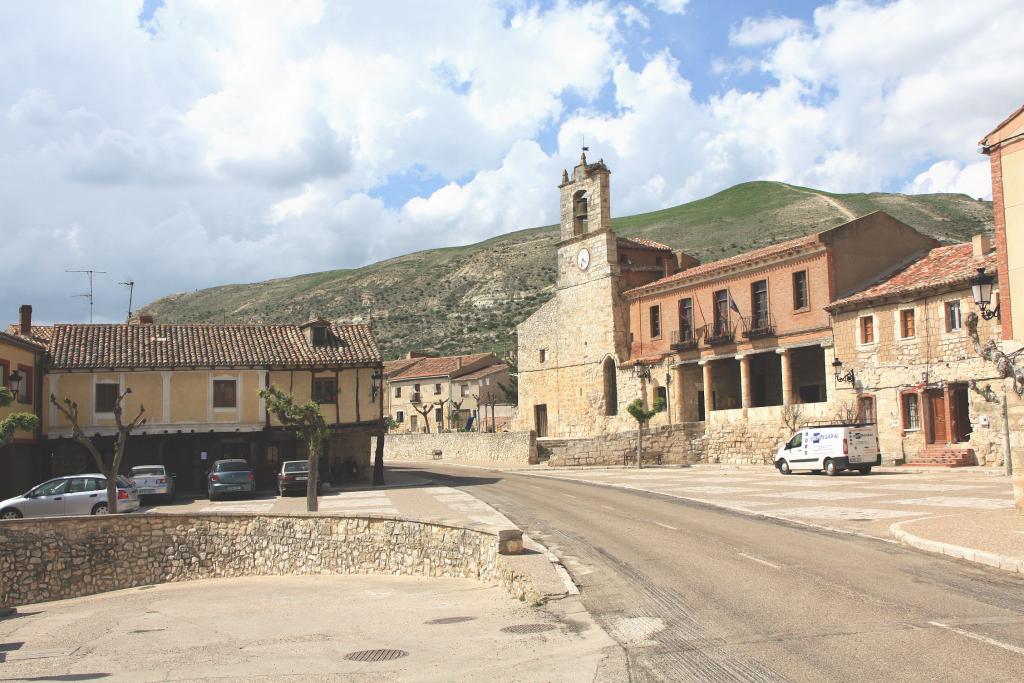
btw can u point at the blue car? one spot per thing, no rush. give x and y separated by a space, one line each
230 476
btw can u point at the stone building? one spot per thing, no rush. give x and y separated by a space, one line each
915 370
434 393
727 344
200 387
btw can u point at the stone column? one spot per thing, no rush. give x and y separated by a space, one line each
787 376
709 389
676 394
744 380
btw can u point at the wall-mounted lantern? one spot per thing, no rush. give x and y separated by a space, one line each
981 290
837 367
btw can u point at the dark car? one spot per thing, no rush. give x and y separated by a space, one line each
293 477
230 476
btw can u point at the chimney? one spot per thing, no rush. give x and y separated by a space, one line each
25 315
982 244
460 362
145 319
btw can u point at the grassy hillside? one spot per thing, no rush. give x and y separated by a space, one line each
465 299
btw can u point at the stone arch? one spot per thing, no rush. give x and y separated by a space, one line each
611 389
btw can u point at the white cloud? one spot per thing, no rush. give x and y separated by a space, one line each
770 29
974 180
670 6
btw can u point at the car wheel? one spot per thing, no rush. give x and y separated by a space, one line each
11 513
830 468
865 470
99 509
211 496
784 467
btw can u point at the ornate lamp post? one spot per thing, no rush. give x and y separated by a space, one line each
837 367
981 290
14 382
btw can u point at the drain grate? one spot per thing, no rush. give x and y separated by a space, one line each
449 620
528 628
375 655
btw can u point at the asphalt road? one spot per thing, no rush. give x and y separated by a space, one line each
698 593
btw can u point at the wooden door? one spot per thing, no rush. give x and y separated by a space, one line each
960 408
939 430
540 416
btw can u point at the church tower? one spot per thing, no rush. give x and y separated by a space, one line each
587 250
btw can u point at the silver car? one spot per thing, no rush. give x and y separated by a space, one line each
153 480
78 494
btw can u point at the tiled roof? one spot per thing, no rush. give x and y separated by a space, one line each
39 333
19 340
484 372
941 267
705 269
445 366
642 243
88 347
392 367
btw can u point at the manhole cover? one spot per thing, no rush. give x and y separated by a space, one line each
450 620
529 628
375 655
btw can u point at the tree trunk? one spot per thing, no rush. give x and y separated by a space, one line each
313 486
640 445
111 493
378 461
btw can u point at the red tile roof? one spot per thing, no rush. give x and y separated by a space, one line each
38 333
793 245
942 267
445 366
19 340
392 367
90 347
642 243
484 372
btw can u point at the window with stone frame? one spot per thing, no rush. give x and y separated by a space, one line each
911 409
106 396
225 393
655 321
867 329
464 390
325 389
399 417
398 392
27 383
801 297
543 355
438 415
437 389
954 319
907 327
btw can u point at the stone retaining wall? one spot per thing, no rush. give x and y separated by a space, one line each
500 448
57 558
682 444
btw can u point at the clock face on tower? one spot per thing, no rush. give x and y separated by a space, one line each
583 259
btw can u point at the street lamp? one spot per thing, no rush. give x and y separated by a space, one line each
14 380
981 290
837 366
375 378
642 371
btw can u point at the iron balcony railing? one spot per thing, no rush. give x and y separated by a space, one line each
755 326
719 332
415 398
684 339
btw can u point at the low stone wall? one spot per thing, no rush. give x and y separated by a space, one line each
681 444
500 448
57 558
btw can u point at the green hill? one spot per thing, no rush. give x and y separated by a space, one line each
466 299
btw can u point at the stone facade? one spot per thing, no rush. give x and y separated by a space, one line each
497 448
54 559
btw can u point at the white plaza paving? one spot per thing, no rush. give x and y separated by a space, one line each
851 501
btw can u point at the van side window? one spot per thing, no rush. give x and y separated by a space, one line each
796 441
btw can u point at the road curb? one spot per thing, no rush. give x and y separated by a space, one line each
994 560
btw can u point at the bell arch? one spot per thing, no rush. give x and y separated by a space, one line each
580 208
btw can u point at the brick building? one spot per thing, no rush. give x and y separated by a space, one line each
915 371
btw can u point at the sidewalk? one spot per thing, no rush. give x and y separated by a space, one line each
961 513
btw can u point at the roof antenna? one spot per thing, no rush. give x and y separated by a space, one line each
130 284
88 296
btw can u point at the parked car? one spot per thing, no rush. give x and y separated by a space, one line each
830 449
79 494
293 477
153 480
230 476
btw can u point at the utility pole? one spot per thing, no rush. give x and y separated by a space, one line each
88 296
130 284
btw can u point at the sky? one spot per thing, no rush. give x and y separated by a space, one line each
182 144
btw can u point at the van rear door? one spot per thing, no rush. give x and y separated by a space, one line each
862 444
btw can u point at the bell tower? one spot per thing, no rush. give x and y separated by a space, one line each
588 249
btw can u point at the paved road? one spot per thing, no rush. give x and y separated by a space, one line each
697 593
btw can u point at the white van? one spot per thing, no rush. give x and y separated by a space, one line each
831 449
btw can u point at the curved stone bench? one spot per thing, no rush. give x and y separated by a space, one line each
66 557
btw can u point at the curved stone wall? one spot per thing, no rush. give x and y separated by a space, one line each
56 558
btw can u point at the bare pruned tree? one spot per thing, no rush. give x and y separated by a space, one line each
846 412
439 405
454 416
793 417
69 409
424 410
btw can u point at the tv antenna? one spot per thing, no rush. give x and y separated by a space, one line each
88 296
130 284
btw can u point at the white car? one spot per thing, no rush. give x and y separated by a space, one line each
78 494
830 449
153 480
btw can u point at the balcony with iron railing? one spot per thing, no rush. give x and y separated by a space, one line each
720 332
685 339
415 398
761 325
